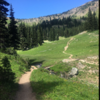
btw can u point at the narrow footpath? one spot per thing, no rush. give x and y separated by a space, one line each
25 90
66 47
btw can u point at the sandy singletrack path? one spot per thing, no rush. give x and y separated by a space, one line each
25 90
66 47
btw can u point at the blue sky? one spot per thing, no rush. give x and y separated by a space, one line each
25 9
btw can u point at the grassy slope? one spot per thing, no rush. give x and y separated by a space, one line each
18 67
84 45
51 87
50 53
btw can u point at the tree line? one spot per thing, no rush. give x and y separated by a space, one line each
26 37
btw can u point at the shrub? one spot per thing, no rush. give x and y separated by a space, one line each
6 74
11 51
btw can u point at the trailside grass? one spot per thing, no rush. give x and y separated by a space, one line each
51 87
18 66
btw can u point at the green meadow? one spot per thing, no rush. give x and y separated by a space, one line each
52 87
49 53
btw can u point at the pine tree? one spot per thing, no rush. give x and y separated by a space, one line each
57 37
53 34
22 35
14 36
66 33
39 35
94 21
34 37
89 21
3 29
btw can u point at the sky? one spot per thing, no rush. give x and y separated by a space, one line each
25 9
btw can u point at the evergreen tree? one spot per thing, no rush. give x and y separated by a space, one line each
12 28
66 33
3 29
89 21
22 33
53 34
34 36
39 35
57 37
94 21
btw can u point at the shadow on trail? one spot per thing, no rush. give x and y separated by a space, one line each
42 87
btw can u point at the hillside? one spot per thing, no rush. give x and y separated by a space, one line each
75 12
84 50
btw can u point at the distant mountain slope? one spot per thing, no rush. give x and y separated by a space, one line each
75 12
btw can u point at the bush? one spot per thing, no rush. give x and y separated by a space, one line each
11 51
6 74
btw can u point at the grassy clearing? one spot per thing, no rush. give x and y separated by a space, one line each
51 87
18 66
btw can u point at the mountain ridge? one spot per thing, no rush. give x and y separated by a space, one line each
74 12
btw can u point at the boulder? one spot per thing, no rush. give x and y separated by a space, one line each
39 65
74 71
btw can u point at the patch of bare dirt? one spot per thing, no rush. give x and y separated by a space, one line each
82 32
25 90
91 60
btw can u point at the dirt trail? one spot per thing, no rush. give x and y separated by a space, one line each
68 44
70 57
96 63
25 90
